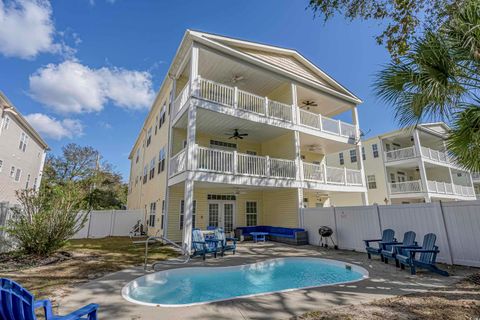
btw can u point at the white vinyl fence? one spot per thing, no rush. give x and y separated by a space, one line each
456 224
107 223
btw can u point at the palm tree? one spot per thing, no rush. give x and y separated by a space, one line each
439 79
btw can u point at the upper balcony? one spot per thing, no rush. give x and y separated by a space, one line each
476 177
273 112
434 188
222 166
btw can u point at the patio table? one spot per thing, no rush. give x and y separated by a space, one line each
259 236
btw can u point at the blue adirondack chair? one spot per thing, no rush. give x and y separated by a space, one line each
408 241
202 246
388 236
225 243
428 255
16 303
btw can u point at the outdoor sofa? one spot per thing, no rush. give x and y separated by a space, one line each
295 236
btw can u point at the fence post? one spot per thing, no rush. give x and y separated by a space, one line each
379 218
112 223
335 226
442 215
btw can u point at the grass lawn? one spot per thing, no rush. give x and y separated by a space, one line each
78 262
461 301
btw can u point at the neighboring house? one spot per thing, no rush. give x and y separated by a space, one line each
189 169
22 153
411 165
476 183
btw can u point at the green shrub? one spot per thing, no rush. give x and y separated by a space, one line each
45 220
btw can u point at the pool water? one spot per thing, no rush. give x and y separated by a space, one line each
190 286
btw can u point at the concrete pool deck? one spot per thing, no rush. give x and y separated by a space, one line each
384 281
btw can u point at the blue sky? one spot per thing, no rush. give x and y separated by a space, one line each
85 71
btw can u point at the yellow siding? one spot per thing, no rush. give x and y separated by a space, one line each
275 207
280 207
282 147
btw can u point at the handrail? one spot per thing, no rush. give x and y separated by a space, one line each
400 154
185 252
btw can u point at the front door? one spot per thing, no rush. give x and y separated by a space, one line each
221 214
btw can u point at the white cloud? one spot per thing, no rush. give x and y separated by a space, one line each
26 28
71 87
53 128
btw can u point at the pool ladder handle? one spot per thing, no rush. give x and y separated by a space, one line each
162 239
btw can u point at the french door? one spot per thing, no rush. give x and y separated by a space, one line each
221 214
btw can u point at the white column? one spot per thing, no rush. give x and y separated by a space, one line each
421 165
168 157
300 207
295 117
385 172
298 155
359 153
190 156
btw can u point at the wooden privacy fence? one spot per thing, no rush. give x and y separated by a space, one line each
456 224
107 223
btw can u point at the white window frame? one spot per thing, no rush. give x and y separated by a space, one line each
353 155
6 123
152 214
250 213
161 160
375 150
12 172
1 165
371 182
341 158
18 175
23 142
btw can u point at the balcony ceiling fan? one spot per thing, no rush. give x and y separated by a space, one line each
237 78
308 103
314 148
236 135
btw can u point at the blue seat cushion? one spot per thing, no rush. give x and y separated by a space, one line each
274 231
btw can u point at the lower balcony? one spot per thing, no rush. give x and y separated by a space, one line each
213 164
435 188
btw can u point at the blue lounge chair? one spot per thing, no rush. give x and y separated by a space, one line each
428 255
225 243
388 236
408 241
202 246
16 303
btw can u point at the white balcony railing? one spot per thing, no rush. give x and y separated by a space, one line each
243 100
233 162
181 99
476 176
178 163
436 187
450 188
405 186
400 154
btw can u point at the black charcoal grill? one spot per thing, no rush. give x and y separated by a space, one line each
326 233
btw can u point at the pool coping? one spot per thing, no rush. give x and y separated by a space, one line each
364 272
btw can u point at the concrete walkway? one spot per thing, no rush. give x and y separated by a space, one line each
385 281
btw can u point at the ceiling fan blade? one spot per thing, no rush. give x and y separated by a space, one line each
243 134
231 137
240 137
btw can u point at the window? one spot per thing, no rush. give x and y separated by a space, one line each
137 156
221 197
28 181
163 214
12 172
162 116
364 157
182 210
6 123
23 142
353 156
18 174
1 165
170 101
156 121
151 218
392 177
152 168
375 150
161 160
340 158
145 175
251 213
35 183
222 145
149 136
372 184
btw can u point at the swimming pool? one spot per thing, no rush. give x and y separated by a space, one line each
197 285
